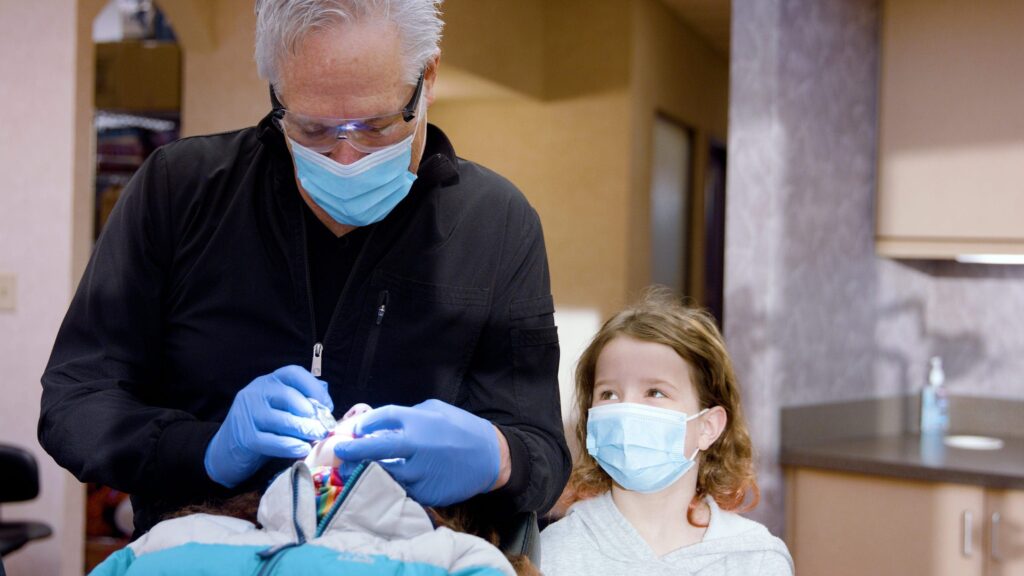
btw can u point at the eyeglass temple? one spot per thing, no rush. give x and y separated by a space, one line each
275 102
408 113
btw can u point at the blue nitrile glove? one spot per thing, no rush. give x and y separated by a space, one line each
445 454
271 417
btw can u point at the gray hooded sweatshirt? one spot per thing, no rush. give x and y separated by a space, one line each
595 539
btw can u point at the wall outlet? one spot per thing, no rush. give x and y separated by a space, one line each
8 291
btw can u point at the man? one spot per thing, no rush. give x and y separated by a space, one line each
339 252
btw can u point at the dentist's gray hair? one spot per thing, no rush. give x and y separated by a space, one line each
282 24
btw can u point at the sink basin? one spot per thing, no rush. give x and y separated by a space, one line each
973 442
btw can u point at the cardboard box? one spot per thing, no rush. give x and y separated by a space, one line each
138 76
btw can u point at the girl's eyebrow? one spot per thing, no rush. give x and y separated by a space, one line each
659 382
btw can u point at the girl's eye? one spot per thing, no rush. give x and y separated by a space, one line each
607 395
655 393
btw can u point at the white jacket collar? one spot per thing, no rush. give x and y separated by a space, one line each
375 504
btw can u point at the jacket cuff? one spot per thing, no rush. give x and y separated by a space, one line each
180 454
519 479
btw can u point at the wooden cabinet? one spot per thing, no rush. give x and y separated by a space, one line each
1004 512
842 523
951 129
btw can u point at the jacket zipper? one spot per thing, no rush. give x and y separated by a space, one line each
316 367
371 341
349 484
271 556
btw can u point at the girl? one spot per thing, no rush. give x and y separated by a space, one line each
667 455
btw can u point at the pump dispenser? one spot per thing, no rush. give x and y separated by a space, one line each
934 402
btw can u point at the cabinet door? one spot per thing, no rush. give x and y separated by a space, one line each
951 159
1005 536
841 524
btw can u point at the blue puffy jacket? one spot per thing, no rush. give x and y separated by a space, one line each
372 529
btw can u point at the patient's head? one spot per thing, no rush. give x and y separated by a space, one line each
322 453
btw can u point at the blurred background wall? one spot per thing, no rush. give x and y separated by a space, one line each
45 227
813 314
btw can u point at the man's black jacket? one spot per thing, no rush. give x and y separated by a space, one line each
199 284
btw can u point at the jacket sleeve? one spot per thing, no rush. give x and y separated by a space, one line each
513 377
97 416
117 564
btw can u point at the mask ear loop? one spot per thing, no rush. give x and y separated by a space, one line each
697 415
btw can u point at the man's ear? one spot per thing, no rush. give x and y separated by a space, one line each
429 75
712 424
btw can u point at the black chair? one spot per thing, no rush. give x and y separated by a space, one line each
521 536
19 481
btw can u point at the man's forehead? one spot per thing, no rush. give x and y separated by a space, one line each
350 71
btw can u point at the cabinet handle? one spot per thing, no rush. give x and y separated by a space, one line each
967 546
994 538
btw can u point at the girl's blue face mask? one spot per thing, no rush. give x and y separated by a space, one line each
360 193
639 446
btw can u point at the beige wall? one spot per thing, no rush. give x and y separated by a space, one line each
221 90
586 46
566 151
676 74
497 40
568 157
45 224
610 72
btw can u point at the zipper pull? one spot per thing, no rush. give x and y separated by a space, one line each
318 353
382 304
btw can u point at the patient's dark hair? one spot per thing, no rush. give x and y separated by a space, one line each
244 507
458 518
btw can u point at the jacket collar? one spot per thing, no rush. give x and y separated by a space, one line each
375 504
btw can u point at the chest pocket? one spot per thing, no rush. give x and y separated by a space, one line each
419 339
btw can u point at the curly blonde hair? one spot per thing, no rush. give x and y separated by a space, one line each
726 468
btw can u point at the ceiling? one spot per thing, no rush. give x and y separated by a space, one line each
710 19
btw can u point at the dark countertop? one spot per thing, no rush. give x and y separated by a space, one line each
901 456
881 437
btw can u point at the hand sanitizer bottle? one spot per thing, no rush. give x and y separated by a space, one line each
934 415
934 402
937 380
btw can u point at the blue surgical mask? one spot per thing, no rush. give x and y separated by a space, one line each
639 446
359 193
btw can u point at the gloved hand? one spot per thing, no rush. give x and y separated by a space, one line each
271 417
445 454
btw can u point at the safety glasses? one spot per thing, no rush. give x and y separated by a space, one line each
364 134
